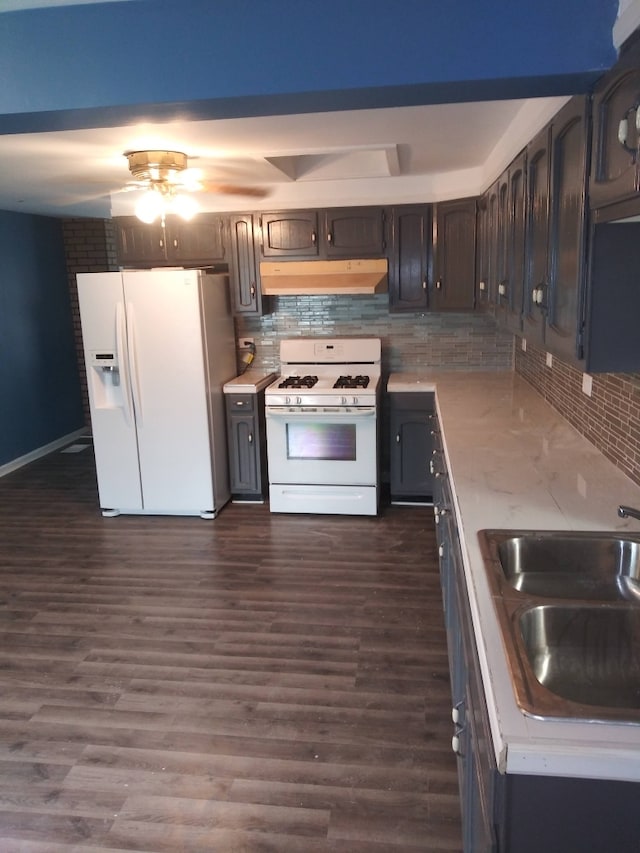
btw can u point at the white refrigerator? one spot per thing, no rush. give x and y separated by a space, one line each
158 347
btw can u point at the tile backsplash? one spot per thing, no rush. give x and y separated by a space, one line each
410 342
609 418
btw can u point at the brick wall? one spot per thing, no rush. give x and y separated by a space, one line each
90 246
609 419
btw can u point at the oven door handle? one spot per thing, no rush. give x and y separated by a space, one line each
286 412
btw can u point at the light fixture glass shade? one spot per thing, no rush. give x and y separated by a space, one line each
185 206
150 207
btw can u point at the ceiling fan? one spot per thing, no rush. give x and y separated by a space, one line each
166 177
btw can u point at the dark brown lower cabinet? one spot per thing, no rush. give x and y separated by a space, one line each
411 416
507 812
246 438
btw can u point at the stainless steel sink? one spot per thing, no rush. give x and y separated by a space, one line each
552 564
568 606
587 655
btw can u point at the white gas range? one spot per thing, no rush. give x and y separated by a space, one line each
322 426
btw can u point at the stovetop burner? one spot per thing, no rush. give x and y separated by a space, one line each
351 382
298 382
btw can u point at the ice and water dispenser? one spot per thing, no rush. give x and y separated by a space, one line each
105 379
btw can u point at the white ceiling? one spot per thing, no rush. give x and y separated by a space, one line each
396 155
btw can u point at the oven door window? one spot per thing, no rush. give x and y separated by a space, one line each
334 442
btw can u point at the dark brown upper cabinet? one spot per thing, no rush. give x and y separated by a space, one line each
409 258
510 287
537 235
482 251
138 244
615 171
454 246
290 234
244 267
489 293
200 242
568 230
350 232
353 232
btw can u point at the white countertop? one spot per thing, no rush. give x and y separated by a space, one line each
516 463
249 383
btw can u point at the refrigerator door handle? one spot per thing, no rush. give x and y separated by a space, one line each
133 363
123 363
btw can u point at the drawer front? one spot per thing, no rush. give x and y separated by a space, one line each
241 402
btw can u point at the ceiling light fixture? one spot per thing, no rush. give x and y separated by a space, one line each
161 199
161 171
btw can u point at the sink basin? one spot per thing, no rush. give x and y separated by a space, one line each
586 655
553 564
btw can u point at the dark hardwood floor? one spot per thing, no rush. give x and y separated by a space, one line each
255 683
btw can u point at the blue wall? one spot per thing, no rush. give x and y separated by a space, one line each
101 64
40 397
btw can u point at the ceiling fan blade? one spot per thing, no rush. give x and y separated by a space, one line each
234 189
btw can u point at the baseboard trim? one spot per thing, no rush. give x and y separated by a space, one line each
8 467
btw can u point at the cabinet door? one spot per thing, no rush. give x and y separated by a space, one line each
292 233
243 265
493 237
569 158
411 447
409 263
139 244
501 271
614 170
353 232
537 236
198 242
243 453
482 251
515 234
454 237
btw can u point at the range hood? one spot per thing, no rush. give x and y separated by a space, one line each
317 278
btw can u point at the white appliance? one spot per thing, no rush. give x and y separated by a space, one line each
322 427
158 346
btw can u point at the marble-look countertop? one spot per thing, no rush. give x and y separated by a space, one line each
249 383
517 464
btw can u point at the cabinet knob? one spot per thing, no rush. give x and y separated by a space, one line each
482 286
175 243
398 438
439 284
314 237
250 438
424 284
502 288
456 745
441 551
329 237
252 289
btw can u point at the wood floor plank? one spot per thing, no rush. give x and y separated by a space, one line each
258 683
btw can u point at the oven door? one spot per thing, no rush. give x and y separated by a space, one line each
316 445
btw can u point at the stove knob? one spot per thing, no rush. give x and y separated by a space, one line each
344 401
298 400
287 400
355 401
